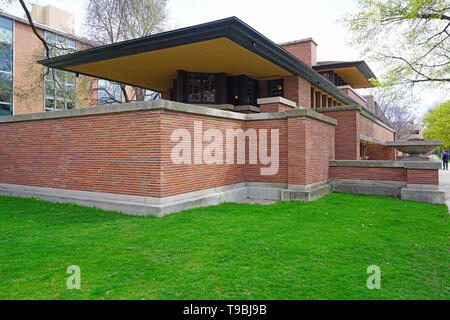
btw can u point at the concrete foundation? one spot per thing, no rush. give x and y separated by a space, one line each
382 188
308 194
423 195
159 207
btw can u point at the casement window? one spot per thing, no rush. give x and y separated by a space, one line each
242 91
59 86
276 88
201 88
6 66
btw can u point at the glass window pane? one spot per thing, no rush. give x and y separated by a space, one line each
60 105
6 66
60 85
49 104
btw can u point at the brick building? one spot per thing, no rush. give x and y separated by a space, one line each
219 81
24 89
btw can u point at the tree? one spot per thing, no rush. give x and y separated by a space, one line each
437 123
392 105
410 37
36 73
110 21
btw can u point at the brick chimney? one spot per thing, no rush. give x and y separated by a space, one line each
370 103
54 18
305 50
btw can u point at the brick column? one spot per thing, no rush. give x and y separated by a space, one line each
348 133
298 90
310 149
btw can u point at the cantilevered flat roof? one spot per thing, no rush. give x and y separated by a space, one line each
355 73
224 46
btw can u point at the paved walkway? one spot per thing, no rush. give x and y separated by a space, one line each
444 184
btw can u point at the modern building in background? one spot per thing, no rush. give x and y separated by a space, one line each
27 87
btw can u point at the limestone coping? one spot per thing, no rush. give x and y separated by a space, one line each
277 100
168 106
427 165
371 140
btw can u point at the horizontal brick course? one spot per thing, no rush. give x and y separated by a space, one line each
362 173
421 176
130 153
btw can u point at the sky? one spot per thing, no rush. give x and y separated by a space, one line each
279 20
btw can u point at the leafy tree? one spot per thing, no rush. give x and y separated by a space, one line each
437 123
110 21
410 37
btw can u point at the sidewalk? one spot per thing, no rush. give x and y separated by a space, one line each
444 184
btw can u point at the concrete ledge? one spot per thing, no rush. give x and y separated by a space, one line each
167 105
307 187
339 108
218 106
247 108
371 140
308 112
431 165
305 195
382 188
367 163
276 100
421 195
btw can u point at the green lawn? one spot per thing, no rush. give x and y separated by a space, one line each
315 250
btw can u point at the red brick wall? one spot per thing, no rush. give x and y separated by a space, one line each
274 107
377 152
361 173
182 178
252 172
310 148
347 134
374 130
130 153
320 150
354 96
421 176
115 153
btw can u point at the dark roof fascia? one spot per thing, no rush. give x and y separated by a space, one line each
203 32
231 28
361 65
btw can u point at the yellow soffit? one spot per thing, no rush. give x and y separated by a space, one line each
352 76
157 69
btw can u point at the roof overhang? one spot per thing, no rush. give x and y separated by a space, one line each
225 46
355 73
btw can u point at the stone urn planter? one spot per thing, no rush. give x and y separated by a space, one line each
415 148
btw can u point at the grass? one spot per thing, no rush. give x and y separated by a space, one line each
315 250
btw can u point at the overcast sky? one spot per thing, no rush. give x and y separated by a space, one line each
279 20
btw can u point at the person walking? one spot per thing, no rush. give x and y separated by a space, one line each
445 160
